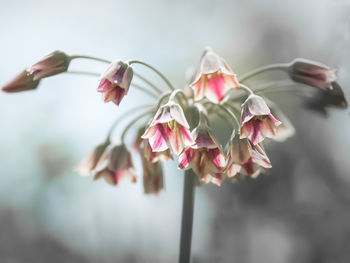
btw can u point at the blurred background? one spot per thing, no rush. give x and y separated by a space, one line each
299 212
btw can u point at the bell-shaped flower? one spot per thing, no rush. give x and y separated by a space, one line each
52 64
245 158
22 82
88 164
152 174
257 122
169 129
312 73
205 157
115 165
115 82
214 78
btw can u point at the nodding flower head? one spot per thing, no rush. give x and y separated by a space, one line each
115 82
22 82
88 164
257 122
214 78
245 158
152 173
205 157
312 73
169 129
115 165
52 64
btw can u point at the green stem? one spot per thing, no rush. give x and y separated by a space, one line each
187 217
245 88
155 70
125 115
90 57
148 82
93 74
280 66
228 112
132 122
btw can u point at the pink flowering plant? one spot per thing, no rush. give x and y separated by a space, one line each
179 124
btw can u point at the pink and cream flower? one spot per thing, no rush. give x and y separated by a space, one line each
257 122
205 157
152 173
88 164
214 78
115 165
115 82
169 129
245 158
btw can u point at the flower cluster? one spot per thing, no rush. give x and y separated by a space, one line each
181 121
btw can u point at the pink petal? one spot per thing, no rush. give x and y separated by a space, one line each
160 138
216 89
104 86
185 158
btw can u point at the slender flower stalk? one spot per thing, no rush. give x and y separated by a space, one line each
155 70
132 122
279 66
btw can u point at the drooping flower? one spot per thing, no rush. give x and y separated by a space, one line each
245 158
205 157
115 82
22 82
152 174
88 164
52 64
214 78
169 129
312 73
153 157
115 165
257 122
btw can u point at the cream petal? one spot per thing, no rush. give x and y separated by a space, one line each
178 115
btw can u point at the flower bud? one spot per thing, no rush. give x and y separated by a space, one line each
53 64
24 81
312 73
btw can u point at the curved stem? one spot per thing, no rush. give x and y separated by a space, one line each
148 82
125 115
144 90
187 217
90 57
93 74
132 122
228 112
155 70
174 94
245 88
279 66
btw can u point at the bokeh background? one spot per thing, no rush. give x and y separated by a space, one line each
299 212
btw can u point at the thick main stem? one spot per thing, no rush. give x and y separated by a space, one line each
187 217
